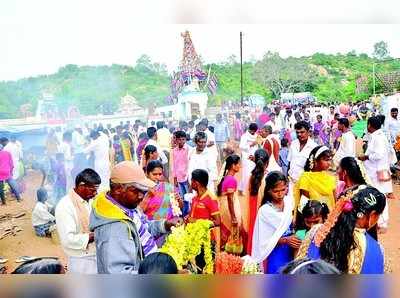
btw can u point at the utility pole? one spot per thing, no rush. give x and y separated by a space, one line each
241 68
373 75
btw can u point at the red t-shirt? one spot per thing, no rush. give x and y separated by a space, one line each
204 207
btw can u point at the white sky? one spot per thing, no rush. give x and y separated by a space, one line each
38 37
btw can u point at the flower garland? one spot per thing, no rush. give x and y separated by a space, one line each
250 267
185 243
228 264
176 211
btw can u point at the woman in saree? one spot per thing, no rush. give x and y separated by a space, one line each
350 172
343 240
157 203
255 194
316 183
229 205
274 242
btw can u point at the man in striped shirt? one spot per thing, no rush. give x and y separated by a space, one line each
123 234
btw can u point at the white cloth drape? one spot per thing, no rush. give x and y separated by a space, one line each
269 227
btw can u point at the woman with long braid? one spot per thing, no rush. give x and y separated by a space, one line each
231 216
256 193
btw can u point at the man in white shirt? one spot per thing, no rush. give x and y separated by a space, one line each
347 146
248 145
200 157
392 125
72 219
299 150
100 147
377 160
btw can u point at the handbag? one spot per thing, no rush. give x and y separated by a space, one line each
383 175
234 245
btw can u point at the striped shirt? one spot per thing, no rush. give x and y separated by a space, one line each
140 220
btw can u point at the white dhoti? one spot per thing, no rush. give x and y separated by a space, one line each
82 265
385 187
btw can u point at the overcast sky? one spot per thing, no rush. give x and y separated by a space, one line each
38 37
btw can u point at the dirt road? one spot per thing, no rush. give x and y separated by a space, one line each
27 243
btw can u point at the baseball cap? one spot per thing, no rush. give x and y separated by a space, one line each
127 172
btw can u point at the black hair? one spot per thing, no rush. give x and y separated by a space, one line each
158 263
94 134
149 149
200 135
88 176
211 128
204 122
339 242
284 142
392 110
302 124
312 208
151 132
40 266
350 165
271 181
180 134
200 176
143 135
153 165
344 121
261 159
307 266
375 122
268 128
160 124
229 162
311 157
253 126
382 119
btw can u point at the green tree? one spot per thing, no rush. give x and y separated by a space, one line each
381 50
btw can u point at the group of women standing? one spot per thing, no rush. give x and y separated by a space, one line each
321 219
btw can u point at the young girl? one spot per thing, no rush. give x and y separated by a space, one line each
314 212
150 153
229 205
273 240
255 195
343 240
316 183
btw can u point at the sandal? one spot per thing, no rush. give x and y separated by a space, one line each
3 260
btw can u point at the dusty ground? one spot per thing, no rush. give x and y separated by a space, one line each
27 243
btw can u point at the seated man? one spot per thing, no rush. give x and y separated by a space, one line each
123 234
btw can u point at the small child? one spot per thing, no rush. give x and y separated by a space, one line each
314 212
42 220
283 155
60 185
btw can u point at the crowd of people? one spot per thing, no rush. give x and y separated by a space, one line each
288 185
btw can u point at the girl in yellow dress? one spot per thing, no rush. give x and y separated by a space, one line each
316 183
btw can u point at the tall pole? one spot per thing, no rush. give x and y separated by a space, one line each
373 75
241 68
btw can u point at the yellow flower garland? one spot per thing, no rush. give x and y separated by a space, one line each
185 243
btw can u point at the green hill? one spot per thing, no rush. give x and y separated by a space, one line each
333 77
